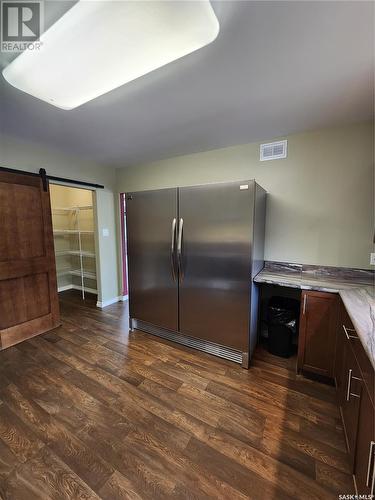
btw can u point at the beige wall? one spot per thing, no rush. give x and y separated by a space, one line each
26 156
106 203
320 201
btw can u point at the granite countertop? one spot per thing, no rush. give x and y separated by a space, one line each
355 287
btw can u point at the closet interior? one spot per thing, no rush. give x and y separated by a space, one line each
74 238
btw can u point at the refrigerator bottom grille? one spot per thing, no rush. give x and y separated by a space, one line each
200 345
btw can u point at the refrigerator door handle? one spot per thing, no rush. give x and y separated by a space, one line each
173 242
179 250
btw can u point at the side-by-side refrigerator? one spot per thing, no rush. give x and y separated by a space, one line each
192 255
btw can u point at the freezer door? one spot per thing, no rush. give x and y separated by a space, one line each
216 236
151 237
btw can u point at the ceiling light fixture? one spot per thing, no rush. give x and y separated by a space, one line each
98 46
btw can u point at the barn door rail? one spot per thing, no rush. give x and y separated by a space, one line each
45 178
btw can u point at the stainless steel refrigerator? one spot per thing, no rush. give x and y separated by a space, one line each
192 255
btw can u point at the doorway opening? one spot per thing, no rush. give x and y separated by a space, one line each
73 225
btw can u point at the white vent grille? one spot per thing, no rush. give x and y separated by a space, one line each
273 150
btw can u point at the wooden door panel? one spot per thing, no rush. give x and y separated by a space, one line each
23 238
18 333
36 289
317 354
21 268
12 312
318 326
28 289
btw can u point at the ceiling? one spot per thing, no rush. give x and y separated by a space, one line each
276 68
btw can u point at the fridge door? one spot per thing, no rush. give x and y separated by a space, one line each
215 262
151 237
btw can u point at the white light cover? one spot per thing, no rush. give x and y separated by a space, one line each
98 46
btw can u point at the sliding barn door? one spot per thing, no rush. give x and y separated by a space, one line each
28 292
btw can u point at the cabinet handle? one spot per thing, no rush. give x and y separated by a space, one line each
371 451
304 304
349 386
348 336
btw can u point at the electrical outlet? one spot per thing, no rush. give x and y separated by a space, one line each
372 259
105 232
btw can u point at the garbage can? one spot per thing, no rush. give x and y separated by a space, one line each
283 314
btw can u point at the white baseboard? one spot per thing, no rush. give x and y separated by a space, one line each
76 287
65 287
109 302
105 303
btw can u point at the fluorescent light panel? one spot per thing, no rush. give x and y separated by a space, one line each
98 46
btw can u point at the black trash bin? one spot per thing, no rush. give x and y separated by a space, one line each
283 314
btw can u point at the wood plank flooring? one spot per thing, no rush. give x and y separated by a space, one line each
92 411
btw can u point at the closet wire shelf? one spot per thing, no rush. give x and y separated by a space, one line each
80 253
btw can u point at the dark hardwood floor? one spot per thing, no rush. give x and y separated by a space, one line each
91 411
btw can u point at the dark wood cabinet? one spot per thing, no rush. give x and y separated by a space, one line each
317 334
349 398
364 467
329 348
354 377
339 352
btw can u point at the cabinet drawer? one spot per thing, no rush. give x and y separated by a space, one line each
365 449
341 341
363 361
365 366
350 397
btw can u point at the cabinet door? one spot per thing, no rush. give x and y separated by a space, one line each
339 351
350 398
365 450
318 324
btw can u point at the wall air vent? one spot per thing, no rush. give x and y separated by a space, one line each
273 150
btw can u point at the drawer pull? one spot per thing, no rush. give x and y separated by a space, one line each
370 455
304 304
347 330
349 386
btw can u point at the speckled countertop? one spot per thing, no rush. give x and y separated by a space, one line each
355 287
